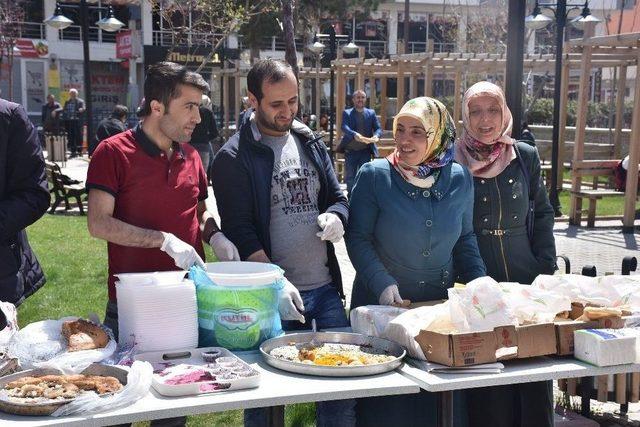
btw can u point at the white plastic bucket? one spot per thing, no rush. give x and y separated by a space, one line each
243 273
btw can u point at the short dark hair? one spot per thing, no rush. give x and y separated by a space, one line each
119 111
162 80
266 70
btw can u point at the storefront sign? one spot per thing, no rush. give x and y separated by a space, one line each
124 44
28 48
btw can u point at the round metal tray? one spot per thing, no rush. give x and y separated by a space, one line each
389 347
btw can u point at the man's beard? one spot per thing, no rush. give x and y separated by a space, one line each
263 120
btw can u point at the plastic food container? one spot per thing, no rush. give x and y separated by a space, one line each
156 277
239 309
185 372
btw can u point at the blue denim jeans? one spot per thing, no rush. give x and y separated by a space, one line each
324 305
353 160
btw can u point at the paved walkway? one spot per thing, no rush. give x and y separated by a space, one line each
603 247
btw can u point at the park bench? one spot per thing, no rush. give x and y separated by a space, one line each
596 169
64 188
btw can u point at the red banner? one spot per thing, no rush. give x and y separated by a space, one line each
27 48
124 44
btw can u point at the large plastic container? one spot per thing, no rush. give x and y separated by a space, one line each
238 304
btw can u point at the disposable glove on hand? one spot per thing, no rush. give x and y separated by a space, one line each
332 228
357 136
184 255
290 303
390 296
223 248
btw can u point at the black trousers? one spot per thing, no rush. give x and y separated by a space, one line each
516 405
74 136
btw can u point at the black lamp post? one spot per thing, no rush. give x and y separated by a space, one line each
538 21
110 24
317 48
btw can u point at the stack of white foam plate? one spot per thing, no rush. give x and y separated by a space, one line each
157 311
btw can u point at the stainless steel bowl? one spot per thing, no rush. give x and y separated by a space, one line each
389 347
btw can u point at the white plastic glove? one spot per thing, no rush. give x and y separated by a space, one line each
390 296
357 136
375 139
290 303
223 248
332 228
184 255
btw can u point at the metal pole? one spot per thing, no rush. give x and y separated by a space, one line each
406 27
84 23
561 20
515 52
332 56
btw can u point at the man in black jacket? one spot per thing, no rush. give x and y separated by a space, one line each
280 202
24 198
110 126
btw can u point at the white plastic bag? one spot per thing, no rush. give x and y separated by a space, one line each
480 306
11 316
373 319
138 385
533 305
42 345
404 328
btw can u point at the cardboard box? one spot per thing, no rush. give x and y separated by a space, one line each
566 327
473 348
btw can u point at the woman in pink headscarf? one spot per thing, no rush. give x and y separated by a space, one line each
513 222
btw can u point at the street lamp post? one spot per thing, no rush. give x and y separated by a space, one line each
538 21
110 24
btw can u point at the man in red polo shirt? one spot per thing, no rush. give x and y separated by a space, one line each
147 188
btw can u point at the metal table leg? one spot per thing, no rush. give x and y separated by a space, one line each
445 409
276 416
586 386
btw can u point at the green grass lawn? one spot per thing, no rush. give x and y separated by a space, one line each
76 268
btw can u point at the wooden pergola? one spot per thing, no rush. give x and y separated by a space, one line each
602 52
619 51
234 75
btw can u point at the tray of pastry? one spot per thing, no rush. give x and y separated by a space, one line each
42 391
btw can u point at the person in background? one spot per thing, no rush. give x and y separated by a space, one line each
24 198
620 174
244 114
73 113
509 198
358 122
410 231
204 134
323 122
110 126
527 136
280 202
51 115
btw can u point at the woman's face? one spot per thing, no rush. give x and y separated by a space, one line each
485 118
411 140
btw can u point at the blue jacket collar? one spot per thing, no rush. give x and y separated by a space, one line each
438 190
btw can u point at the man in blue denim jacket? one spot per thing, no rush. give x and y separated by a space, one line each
280 202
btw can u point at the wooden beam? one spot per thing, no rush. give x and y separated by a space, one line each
400 86
457 100
620 92
226 103
428 79
383 102
581 125
236 88
564 98
634 157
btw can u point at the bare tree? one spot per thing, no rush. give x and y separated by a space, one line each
197 23
289 35
11 17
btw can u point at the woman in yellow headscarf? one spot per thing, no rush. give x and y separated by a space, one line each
410 233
